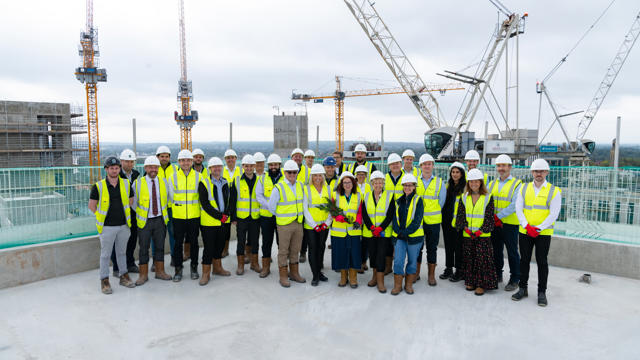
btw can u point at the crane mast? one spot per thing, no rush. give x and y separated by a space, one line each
185 118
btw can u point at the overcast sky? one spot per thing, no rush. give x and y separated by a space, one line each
245 57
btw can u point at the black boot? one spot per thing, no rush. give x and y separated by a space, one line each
178 276
194 271
542 298
322 277
457 276
448 272
521 294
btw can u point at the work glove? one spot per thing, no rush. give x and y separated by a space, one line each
477 233
317 228
532 231
497 220
468 231
372 228
323 226
224 218
340 218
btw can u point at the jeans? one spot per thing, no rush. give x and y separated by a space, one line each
407 251
506 236
268 227
113 236
431 239
541 243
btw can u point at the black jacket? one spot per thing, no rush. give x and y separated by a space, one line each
204 200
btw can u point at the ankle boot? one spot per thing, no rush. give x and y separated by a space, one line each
240 270
105 286
187 251
255 266
380 282
284 280
247 252
417 273
206 273
374 279
432 275
408 283
295 276
178 275
397 284
225 252
388 260
343 278
353 278
266 264
194 271
160 274
143 276
125 281
218 269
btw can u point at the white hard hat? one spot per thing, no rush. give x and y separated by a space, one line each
345 174
376 175
274 158
309 153
362 168
214 161
151 160
290 165
540 164
472 155
457 165
393 158
230 152
408 152
163 149
424 158
185 154
197 152
360 147
259 157
503 159
127 154
408 179
475 174
317 169
297 151
248 160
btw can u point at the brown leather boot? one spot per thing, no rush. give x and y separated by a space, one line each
105 286
417 273
397 284
125 281
284 280
160 274
240 270
343 278
247 252
388 260
266 264
374 279
187 251
218 269
432 275
294 275
408 283
206 273
255 265
353 278
380 282
143 276
225 252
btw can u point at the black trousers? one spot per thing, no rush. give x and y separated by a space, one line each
248 233
213 240
268 227
154 231
542 244
305 243
186 230
377 251
452 246
364 250
317 243
131 245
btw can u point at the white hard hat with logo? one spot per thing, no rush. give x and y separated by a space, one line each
163 149
185 154
127 154
274 158
151 160
248 160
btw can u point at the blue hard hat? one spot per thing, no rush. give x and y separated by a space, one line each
329 161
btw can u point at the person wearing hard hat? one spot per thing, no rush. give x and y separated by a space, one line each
408 235
150 201
213 193
452 238
297 155
364 188
260 160
264 188
186 212
392 185
340 166
360 152
316 221
346 231
475 219
504 190
433 193
537 207
407 163
165 171
472 158
198 162
110 201
330 173
231 171
286 203
378 211
304 176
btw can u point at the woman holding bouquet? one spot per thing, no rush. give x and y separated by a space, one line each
316 220
346 230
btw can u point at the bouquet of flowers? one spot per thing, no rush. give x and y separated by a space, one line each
337 213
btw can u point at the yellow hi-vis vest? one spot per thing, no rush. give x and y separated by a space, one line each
314 199
352 168
367 188
205 218
537 208
333 184
431 200
247 202
205 171
411 213
186 202
455 211
396 189
237 171
377 212
144 200
267 186
167 174
415 171
350 209
475 213
103 204
502 198
289 207
304 175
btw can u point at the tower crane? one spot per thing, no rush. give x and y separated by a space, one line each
185 118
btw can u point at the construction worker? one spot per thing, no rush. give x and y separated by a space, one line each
150 201
340 166
407 163
346 231
230 173
260 160
537 207
316 221
286 203
392 185
110 201
264 187
330 172
433 192
305 171
472 158
504 190
297 155
213 193
364 188
127 171
165 171
245 213
198 162
186 212
361 159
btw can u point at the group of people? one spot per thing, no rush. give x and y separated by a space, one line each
387 219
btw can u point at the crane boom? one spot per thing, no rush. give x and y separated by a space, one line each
186 118
395 58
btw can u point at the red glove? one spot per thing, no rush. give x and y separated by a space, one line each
372 228
477 233
340 218
318 228
532 231
224 218
323 226
497 220
468 231
379 230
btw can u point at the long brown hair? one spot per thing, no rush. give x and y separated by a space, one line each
340 188
483 189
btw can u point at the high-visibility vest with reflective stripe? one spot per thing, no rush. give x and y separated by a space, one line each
167 174
289 207
367 188
333 184
353 166
103 202
415 171
247 202
314 199
502 198
350 210
536 208
475 213
186 202
431 200
396 189
267 186
455 211
304 174
205 218
411 213
144 200
205 171
237 171
377 212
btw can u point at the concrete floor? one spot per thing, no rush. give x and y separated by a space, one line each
251 318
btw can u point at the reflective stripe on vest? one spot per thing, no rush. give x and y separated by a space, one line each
503 197
475 214
350 210
103 202
205 218
411 213
352 168
536 208
231 177
247 203
186 203
315 199
431 200
391 188
289 208
267 187
377 212
167 174
144 200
